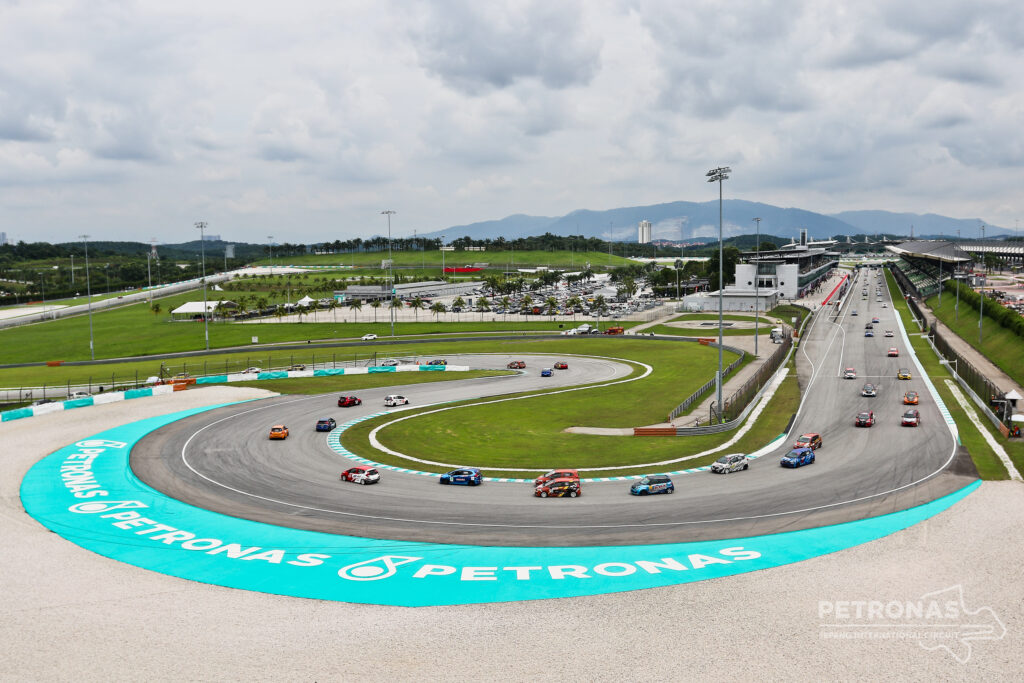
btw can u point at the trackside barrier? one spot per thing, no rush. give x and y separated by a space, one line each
327 372
99 399
682 407
654 431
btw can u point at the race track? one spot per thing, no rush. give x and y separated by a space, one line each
222 461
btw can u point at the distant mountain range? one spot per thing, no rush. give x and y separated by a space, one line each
694 221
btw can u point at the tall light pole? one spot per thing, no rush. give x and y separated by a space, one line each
442 257
88 293
42 287
981 298
149 274
718 175
391 273
757 282
270 250
956 309
201 225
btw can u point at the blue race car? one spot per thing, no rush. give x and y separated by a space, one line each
653 483
798 457
325 424
546 372
467 476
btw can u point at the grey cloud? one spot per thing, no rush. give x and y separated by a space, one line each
476 47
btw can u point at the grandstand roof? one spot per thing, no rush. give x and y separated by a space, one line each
937 250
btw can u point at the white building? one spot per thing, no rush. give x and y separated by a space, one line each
644 236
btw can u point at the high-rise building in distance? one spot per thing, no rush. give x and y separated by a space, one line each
644 236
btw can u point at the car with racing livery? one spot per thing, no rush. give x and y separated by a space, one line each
651 484
864 418
903 373
556 474
911 418
392 400
894 352
326 424
466 476
561 365
810 440
733 462
437 361
798 457
278 432
869 390
875 320
296 367
888 333
361 474
559 488
911 398
849 373
869 333
516 365
547 372
349 401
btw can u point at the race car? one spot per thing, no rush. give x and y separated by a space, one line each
730 463
516 365
349 401
392 400
361 474
810 440
888 333
326 424
911 418
869 390
869 326
278 432
561 365
556 474
885 305
297 367
251 371
869 333
652 483
894 352
559 488
438 361
853 312
874 320
369 337
910 398
467 476
864 419
903 373
798 457
547 372
849 373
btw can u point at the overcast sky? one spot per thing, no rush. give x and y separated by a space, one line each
305 119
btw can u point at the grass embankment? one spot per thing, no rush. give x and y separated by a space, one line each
1001 346
529 433
135 331
988 464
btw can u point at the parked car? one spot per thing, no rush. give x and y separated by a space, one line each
730 463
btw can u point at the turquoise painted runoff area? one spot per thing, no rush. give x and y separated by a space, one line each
87 493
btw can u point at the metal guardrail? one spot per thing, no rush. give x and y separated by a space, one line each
679 409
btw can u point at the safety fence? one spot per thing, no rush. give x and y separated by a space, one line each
974 381
695 396
742 397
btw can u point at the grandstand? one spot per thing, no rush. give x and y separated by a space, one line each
924 264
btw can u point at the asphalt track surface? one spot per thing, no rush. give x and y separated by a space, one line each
223 461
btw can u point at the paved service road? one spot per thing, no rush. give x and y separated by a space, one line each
223 461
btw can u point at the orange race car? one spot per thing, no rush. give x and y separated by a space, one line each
278 432
910 398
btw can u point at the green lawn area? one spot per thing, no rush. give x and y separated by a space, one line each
725 316
529 433
702 331
988 464
1000 345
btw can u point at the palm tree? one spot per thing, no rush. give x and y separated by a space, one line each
506 302
218 310
527 302
279 312
552 305
155 307
375 305
484 305
458 303
417 305
333 308
396 305
437 309
355 305
573 303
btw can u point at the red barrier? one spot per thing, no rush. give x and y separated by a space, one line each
832 293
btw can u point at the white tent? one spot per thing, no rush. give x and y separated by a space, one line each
193 308
305 301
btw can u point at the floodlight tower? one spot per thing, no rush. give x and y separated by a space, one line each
718 175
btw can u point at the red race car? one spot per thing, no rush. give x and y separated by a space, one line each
349 401
516 365
911 418
559 488
361 474
556 474
894 352
561 365
865 419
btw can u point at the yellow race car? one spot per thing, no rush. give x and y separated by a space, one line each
903 373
